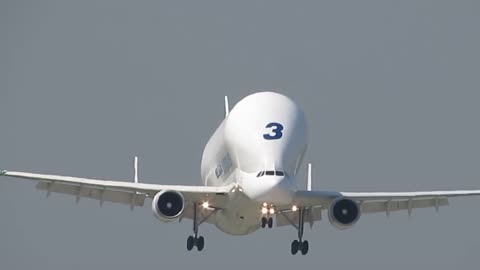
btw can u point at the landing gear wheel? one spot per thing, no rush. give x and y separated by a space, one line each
294 247
304 248
201 243
270 223
190 243
264 222
195 242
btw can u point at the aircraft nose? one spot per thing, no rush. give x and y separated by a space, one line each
271 189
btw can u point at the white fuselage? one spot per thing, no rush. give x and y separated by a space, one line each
264 132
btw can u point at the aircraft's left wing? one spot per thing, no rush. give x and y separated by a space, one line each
133 194
372 202
369 202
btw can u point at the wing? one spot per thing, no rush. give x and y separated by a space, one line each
370 202
133 194
373 202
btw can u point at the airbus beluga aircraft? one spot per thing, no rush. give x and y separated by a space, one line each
249 172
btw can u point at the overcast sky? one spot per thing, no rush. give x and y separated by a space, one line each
390 90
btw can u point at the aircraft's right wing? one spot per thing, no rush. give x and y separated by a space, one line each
133 194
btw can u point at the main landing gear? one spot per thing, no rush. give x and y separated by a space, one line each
300 245
195 240
192 241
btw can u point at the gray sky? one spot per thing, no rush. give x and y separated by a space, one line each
390 89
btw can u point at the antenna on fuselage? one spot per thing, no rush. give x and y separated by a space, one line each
227 107
309 177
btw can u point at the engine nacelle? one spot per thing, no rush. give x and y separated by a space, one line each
168 205
343 213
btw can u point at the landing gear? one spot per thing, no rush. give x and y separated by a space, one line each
267 211
298 245
191 243
267 222
200 243
196 241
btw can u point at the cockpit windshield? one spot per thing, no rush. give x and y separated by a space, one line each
270 173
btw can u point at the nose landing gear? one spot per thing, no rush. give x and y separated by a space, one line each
267 219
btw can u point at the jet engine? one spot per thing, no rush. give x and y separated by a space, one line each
168 205
343 213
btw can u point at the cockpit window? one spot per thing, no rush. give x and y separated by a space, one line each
260 174
270 173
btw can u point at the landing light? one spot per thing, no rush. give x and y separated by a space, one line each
294 208
264 210
272 211
205 205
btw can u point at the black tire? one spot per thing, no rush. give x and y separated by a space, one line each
304 247
270 223
294 247
264 222
200 243
190 243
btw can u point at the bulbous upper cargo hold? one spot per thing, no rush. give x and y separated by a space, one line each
266 131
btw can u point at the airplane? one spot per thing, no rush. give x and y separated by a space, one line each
249 172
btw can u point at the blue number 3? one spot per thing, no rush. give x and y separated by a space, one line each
275 133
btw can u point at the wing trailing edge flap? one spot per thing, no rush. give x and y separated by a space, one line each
103 195
398 205
289 217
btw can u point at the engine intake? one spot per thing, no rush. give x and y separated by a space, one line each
168 205
343 213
